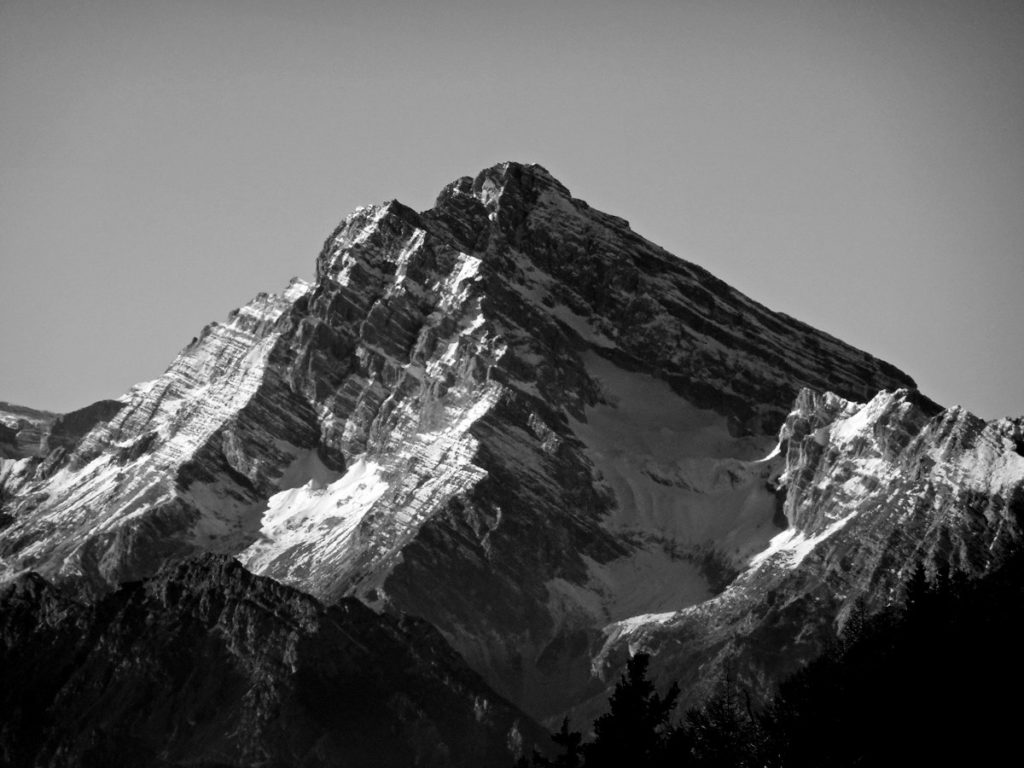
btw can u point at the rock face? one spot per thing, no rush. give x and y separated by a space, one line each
26 432
22 430
206 664
67 429
509 415
872 492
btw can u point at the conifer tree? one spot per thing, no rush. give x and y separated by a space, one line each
636 728
571 755
915 591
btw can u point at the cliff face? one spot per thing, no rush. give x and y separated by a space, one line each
509 415
22 430
872 491
206 664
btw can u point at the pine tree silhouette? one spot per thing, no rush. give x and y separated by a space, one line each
636 728
915 590
571 755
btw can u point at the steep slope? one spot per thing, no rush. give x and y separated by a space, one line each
206 664
509 415
25 432
872 490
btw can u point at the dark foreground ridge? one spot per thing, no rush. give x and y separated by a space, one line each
208 665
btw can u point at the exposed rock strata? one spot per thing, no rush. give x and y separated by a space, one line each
508 414
871 491
68 428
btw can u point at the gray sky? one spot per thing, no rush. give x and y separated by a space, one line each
856 164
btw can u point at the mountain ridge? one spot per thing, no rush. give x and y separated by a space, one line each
509 415
206 664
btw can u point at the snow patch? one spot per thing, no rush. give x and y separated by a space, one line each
673 468
791 546
296 515
859 422
650 581
681 485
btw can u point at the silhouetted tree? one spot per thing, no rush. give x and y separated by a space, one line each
571 755
925 684
723 733
915 591
928 682
636 728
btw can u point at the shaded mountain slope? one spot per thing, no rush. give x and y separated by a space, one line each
206 664
873 492
22 430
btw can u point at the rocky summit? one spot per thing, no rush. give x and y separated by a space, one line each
515 418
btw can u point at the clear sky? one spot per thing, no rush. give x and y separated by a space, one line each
858 164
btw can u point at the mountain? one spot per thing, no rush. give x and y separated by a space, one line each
872 493
206 664
22 430
922 682
515 418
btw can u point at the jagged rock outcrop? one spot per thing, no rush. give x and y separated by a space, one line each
872 491
68 428
206 664
22 431
509 415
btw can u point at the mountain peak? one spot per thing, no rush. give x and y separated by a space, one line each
523 183
509 415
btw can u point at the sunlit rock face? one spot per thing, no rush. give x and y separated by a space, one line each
872 492
509 414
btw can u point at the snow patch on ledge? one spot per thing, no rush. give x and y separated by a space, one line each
295 516
627 626
673 468
632 631
791 546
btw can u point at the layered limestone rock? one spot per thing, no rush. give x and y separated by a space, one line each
872 491
68 429
206 664
509 415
